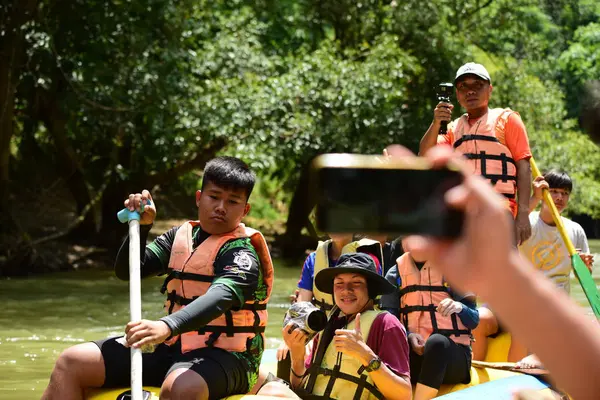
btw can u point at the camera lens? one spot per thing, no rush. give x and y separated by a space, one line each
316 320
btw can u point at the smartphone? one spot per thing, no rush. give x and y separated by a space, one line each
375 194
443 94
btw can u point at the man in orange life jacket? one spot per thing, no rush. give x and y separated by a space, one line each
494 141
219 279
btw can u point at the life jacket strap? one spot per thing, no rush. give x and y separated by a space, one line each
423 288
252 307
174 298
504 176
233 329
185 276
336 373
466 138
431 309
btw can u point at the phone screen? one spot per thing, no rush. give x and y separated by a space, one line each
391 201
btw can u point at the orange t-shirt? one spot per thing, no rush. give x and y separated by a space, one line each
516 140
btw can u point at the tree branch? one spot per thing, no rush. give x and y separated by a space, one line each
198 161
476 10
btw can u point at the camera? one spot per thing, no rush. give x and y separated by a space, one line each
443 94
306 316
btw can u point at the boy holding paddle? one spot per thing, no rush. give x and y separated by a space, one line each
545 248
219 279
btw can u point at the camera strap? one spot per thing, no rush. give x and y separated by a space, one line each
326 338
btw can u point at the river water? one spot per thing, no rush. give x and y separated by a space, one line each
43 315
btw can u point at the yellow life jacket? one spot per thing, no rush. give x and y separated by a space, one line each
421 293
339 376
324 300
191 274
484 146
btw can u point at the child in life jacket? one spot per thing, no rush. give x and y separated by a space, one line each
438 321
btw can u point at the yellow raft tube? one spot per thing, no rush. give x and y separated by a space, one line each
497 351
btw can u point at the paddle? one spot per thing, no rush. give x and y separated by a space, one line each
581 271
510 366
135 295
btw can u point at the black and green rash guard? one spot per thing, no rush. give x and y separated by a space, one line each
238 278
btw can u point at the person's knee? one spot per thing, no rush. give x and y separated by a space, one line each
67 361
436 343
74 360
76 368
183 384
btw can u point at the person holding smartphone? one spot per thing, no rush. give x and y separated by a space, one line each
484 261
493 140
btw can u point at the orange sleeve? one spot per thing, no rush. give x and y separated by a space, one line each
448 138
516 138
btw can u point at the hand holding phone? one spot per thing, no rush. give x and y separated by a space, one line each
443 95
376 194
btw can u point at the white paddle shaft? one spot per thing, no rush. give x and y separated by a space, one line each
135 305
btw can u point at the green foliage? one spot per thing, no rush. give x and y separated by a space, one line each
580 158
145 91
268 206
580 63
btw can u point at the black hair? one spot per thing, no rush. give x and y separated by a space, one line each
558 179
370 292
229 173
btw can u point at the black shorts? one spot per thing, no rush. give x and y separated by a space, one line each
223 372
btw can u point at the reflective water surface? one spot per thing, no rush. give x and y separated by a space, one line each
41 316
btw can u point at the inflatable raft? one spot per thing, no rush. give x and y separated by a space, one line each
486 383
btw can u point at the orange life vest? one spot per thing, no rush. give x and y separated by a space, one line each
421 293
484 146
191 274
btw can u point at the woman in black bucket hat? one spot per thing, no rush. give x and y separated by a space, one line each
362 352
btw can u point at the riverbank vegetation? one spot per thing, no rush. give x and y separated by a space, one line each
102 97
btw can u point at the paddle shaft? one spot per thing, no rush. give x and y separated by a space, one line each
555 215
583 275
135 305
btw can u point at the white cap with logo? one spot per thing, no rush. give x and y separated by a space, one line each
474 69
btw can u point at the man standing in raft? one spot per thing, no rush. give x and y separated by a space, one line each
493 140
219 279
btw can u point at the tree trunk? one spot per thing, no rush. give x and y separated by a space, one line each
293 243
67 163
12 43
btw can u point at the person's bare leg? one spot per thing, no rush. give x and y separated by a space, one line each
424 392
184 384
77 368
488 325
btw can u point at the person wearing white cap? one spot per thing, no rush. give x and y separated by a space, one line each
494 141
